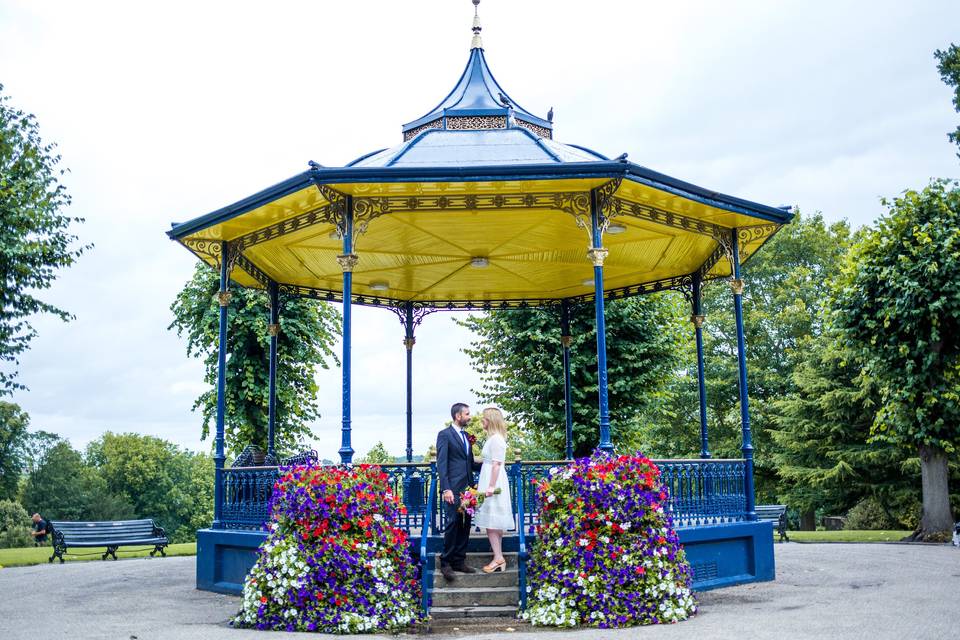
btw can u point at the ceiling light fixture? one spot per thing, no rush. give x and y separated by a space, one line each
589 282
479 262
379 286
616 228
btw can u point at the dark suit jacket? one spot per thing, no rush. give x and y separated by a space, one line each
454 467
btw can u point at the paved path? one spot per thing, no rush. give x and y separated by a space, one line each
872 592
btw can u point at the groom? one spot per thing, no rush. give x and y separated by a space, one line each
455 467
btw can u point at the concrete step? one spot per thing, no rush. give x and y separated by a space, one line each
477 560
475 597
447 613
506 578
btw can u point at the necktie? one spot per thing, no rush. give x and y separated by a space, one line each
466 445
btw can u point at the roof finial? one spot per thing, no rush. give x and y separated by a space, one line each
477 42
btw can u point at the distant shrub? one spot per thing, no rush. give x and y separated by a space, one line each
869 515
14 525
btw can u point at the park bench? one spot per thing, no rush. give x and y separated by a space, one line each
112 535
776 513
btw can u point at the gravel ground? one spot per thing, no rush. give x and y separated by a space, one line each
870 591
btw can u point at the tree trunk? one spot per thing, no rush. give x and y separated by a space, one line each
808 520
936 517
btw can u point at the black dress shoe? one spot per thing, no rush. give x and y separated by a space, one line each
448 573
465 568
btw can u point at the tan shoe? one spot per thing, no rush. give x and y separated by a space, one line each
495 566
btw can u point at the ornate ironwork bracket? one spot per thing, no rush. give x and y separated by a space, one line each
420 311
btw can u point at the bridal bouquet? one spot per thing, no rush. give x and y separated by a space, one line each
471 499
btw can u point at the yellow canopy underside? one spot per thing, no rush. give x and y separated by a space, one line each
533 253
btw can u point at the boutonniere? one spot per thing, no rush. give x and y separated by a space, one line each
472 439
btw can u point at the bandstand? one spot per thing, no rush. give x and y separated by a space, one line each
480 209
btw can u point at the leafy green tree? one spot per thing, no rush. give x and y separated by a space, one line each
519 356
309 330
13 437
948 64
55 489
36 446
898 308
821 440
14 525
377 455
34 237
784 304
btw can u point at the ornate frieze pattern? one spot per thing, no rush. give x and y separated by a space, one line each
619 207
542 132
413 133
474 123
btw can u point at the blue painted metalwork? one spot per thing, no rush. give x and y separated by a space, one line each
522 553
426 558
747 444
272 402
597 240
697 298
246 496
346 450
219 457
601 169
408 343
565 339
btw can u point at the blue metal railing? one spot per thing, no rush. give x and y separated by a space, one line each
701 492
522 554
426 573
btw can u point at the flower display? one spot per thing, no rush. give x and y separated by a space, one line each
333 561
606 553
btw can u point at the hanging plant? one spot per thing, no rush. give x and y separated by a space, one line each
333 561
606 553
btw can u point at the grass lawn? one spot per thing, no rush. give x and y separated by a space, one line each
39 555
846 536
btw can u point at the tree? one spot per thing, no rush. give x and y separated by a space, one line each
14 525
55 489
821 439
13 437
377 455
898 308
34 237
36 446
948 64
519 356
309 332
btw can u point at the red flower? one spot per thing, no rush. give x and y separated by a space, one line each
263 599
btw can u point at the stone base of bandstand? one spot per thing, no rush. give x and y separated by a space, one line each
721 555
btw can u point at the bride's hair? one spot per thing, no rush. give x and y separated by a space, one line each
495 421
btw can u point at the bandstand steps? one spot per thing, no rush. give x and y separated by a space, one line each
477 595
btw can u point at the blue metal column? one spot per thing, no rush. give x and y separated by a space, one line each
223 297
597 255
697 320
274 330
566 339
347 262
747 445
408 342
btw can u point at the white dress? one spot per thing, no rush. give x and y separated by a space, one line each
496 511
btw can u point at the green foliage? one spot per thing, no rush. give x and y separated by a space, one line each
898 309
55 488
14 525
377 455
157 479
309 332
520 358
34 238
36 446
821 448
13 438
948 64
869 515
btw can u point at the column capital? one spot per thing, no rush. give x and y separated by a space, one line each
566 341
223 297
697 320
273 329
348 261
736 285
409 342
598 255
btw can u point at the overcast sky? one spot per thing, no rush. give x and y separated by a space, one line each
166 111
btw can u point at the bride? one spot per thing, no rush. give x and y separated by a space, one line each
496 513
